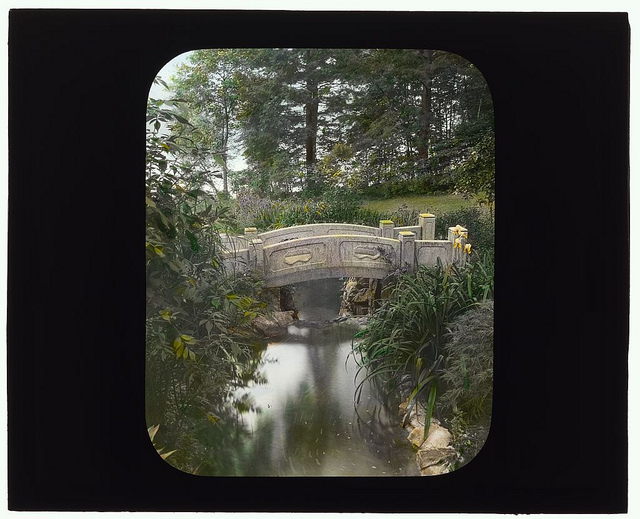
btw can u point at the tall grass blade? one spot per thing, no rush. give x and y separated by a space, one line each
431 402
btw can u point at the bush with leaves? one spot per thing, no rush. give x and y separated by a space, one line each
200 345
405 216
468 378
476 175
431 184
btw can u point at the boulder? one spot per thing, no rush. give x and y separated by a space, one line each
416 417
274 325
438 437
435 461
358 296
287 301
435 454
434 471
284 319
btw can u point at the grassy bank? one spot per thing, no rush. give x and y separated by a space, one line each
436 204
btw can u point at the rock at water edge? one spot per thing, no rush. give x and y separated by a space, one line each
438 438
274 325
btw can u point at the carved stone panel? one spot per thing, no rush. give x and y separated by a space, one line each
367 252
295 256
428 252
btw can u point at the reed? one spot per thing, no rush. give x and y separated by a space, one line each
402 349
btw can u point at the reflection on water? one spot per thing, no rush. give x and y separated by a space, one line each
318 300
308 425
305 421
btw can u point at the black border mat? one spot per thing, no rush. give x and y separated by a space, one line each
78 86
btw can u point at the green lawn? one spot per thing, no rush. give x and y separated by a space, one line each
436 204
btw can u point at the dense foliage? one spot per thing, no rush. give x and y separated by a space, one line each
479 224
377 121
403 348
267 214
200 346
468 379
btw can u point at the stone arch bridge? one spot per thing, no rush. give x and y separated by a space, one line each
332 250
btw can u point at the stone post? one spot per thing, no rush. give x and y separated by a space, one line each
427 222
458 235
386 228
407 249
250 233
258 254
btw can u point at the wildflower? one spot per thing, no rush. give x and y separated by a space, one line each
467 248
457 244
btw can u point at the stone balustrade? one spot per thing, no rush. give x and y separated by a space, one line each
316 229
328 250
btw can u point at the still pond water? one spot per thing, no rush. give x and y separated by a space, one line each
308 424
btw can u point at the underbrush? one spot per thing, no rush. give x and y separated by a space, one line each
407 349
478 223
426 185
265 214
468 378
436 204
200 345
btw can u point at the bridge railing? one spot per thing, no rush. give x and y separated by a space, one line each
315 229
349 250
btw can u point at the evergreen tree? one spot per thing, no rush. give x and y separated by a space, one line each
309 119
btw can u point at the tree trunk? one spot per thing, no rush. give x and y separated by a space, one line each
425 106
225 148
311 124
480 103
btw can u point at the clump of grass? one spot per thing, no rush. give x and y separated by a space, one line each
468 372
402 350
437 204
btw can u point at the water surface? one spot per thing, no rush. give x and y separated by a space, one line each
307 422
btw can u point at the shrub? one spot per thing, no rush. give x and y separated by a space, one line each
338 206
468 377
405 216
431 184
468 371
199 344
477 221
252 210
